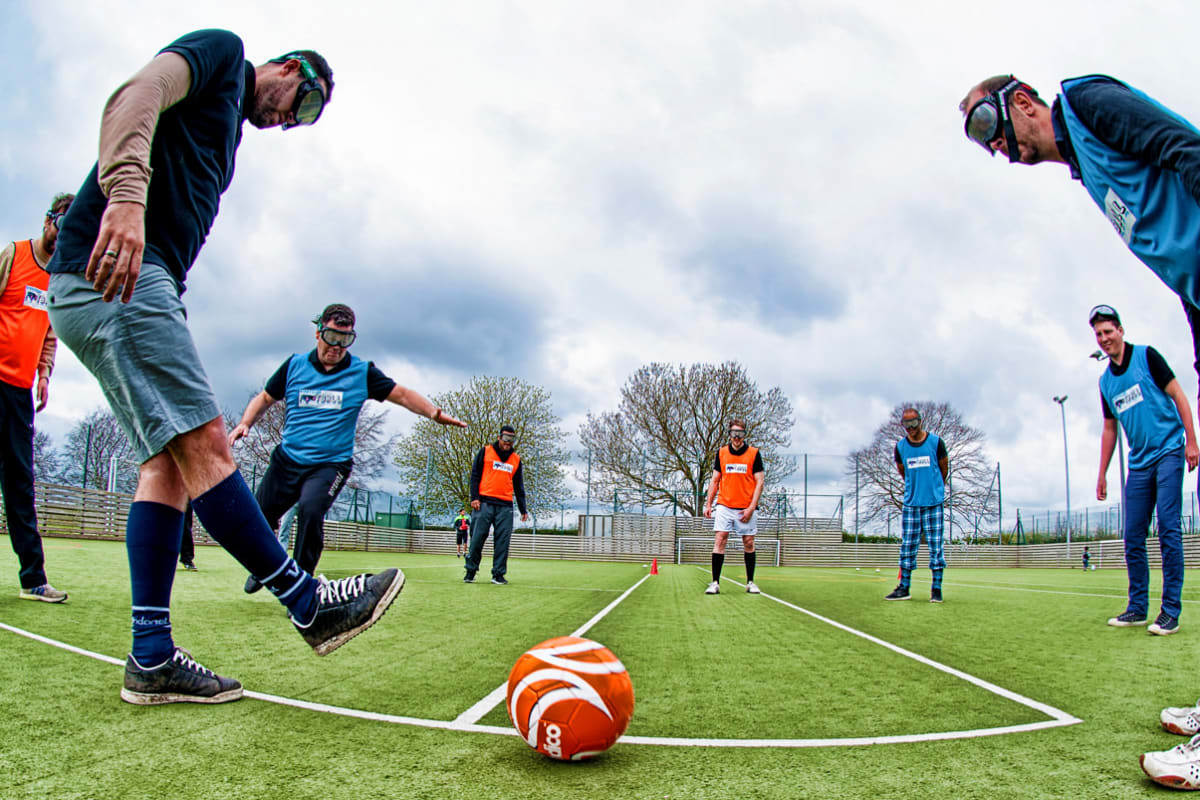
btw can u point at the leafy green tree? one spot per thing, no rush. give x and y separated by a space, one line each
434 460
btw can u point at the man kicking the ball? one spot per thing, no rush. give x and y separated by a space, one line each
738 475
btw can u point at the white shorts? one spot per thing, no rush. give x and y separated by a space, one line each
730 520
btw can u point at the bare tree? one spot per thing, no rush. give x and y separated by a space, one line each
372 445
661 441
880 487
440 457
45 459
90 448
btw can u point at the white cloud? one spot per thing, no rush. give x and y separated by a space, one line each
565 174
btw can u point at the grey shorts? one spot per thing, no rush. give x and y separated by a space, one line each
141 352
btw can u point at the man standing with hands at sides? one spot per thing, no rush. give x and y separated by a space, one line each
737 483
496 478
1139 392
923 464
462 529
167 146
323 390
27 347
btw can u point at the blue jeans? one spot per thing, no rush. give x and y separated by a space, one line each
1161 485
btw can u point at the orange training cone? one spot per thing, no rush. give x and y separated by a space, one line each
654 567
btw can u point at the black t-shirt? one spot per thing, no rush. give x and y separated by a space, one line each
941 450
192 158
758 462
1160 371
379 386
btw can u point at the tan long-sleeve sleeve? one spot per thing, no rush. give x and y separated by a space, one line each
127 127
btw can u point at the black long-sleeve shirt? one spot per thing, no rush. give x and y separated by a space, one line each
518 480
1131 125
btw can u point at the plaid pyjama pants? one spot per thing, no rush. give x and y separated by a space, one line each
915 521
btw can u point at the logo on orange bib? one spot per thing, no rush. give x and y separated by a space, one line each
500 466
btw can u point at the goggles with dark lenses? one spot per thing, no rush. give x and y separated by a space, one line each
508 437
310 97
737 434
912 424
55 218
1103 311
336 338
990 117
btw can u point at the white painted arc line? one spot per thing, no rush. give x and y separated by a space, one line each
1048 710
671 741
64 646
454 725
498 695
959 584
1060 718
851 742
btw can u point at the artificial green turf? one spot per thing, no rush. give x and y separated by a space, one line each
731 666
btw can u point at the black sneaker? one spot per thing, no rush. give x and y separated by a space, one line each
179 680
469 577
499 580
899 593
935 596
347 607
1165 625
1128 619
252 585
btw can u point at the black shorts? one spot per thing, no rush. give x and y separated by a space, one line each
460 537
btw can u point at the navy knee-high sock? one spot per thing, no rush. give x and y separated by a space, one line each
231 515
718 561
152 536
751 559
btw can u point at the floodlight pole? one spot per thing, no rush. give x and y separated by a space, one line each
1062 406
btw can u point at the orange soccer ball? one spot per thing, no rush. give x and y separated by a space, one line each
569 698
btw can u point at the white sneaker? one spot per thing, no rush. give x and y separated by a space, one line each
752 588
1183 721
1178 767
713 588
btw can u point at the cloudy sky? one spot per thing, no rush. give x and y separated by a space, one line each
564 191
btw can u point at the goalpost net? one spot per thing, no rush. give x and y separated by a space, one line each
698 550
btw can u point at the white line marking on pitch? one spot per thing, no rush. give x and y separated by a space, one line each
1060 718
1004 588
498 695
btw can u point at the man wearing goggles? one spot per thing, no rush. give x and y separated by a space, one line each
168 140
1138 160
27 348
324 390
496 479
923 464
737 484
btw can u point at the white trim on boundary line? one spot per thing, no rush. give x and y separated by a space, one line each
498 695
1060 718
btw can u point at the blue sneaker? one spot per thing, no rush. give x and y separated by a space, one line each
1165 625
1127 619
